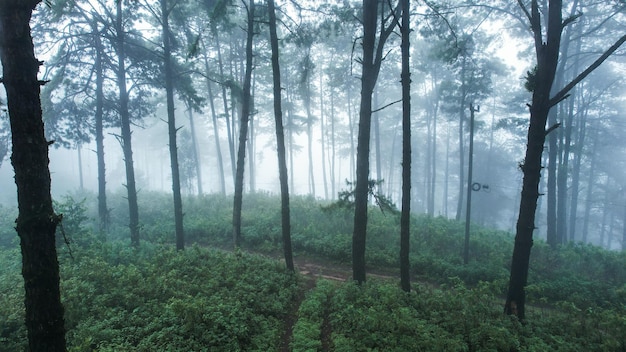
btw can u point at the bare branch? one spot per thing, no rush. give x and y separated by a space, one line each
521 5
386 106
558 97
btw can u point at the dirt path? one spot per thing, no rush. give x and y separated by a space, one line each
313 269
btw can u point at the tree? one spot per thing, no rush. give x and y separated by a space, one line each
126 136
540 81
280 140
171 123
243 129
36 223
370 63
405 218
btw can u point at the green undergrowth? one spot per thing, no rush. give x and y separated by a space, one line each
158 299
380 317
585 275
154 298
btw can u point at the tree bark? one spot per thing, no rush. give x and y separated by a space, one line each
547 58
218 149
280 141
171 125
126 137
368 81
231 144
547 53
103 211
371 61
405 217
36 223
243 130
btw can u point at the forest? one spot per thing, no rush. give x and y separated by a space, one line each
375 175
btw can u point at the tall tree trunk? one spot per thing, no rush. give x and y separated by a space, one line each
194 149
551 233
81 183
36 223
243 130
280 141
573 208
323 136
376 118
590 186
218 148
547 53
460 199
126 138
405 217
227 115
333 175
371 61
446 174
309 132
368 81
171 124
103 211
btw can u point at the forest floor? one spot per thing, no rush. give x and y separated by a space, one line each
313 269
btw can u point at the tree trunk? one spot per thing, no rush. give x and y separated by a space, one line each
218 149
323 136
460 199
551 233
368 81
36 223
573 212
171 124
372 59
194 149
243 130
227 115
333 175
131 188
103 211
280 141
547 59
590 187
405 217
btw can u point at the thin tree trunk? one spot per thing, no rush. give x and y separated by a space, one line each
81 184
376 118
103 211
372 59
573 214
333 156
368 81
405 217
323 136
590 187
243 130
460 199
227 115
36 223
551 233
280 141
216 133
126 137
194 150
171 124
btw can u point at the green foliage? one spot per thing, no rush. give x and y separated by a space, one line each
160 299
378 316
121 299
346 198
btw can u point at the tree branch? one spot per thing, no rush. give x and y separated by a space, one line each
563 92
